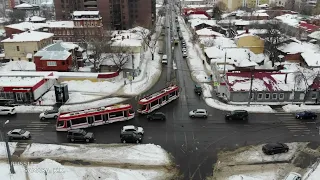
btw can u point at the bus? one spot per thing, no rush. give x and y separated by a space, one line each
158 99
94 117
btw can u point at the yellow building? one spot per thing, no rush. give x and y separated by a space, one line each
250 41
24 45
236 4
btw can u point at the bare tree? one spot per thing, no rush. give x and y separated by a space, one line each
47 12
217 10
272 40
302 78
17 16
120 56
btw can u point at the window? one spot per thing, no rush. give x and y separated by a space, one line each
274 96
281 96
267 96
116 114
154 103
79 121
18 48
63 63
97 117
314 95
172 94
301 97
51 63
260 96
252 95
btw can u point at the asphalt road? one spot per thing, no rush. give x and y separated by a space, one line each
194 143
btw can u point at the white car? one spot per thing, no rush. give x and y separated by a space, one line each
293 176
164 59
19 134
198 113
7 110
136 129
184 54
50 114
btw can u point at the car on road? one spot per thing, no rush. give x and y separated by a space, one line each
275 148
293 176
306 115
130 137
131 128
198 113
7 110
157 116
198 89
184 49
50 114
184 54
237 115
80 135
19 134
164 59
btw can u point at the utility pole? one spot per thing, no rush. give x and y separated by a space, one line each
250 91
8 149
225 62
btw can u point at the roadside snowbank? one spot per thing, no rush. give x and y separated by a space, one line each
297 108
32 109
20 172
3 150
89 86
144 154
255 176
227 107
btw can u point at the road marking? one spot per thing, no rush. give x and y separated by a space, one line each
193 135
294 130
283 114
295 126
42 122
36 125
185 139
35 130
166 137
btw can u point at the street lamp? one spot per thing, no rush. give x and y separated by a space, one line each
8 149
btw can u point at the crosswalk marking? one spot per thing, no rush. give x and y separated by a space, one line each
42 122
294 125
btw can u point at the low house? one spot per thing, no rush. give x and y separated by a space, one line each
24 45
25 89
250 41
256 15
205 32
60 56
314 36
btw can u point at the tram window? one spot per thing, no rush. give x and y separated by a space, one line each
60 123
97 118
126 113
154 103
143 107
164 98
116 114
79 121
131 111
105 117
172 94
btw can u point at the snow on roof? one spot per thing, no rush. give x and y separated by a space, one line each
19 81
290 19
24 5
207 32
254 31
29 36
132 37
198 16
311 58
263 5
260 13
196 22
298 47
224 42
35 19
196 6
59 24
242 23
315 35
57 51
214 52
85 13
24 26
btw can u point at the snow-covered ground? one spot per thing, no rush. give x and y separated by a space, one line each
18 66
255 176
137 157
105 87
32 109
200 73
297 108
3 151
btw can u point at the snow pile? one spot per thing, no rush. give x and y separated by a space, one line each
255 176
77 97
49 169
3 150
302 107
32 109
18 66
20 172
89 86
314 175
48 99
144 154
243 177
95 104
227 107
255 155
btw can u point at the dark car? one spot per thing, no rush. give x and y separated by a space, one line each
80 135
275 148
130 137
306 115
238 115
157 116
198 89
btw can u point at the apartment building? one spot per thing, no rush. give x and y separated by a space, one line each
236 4
116 14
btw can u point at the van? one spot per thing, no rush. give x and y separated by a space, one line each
164 59
293 176
7 110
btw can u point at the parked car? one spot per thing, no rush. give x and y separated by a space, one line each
130 137
197 89
198 113
7 110
293 176
184 54
19 134
160 51
237 115
131 128
50 114
306 115
275 148
157 116
164 59
80 135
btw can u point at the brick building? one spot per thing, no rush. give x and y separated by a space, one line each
115 14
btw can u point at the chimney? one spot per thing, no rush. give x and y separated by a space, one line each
285 79
11 36
247 31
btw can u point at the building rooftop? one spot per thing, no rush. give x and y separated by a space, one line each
24 5
35 19
196 22
24 26
198 16
56 51
19 81
207 32
85 13
28 36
